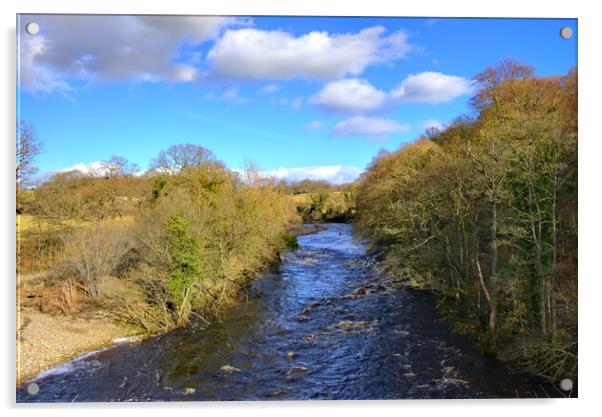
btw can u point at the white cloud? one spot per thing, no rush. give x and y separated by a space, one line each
335 174
358 96
431 87
94 168
349 96
261 54
93 47
314 125
231 96
368 126
432 124
269 89
33 75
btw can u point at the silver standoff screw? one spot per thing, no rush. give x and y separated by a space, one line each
566 384
33 388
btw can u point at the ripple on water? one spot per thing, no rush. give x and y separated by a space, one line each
323 324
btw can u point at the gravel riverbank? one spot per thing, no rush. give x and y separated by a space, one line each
45 341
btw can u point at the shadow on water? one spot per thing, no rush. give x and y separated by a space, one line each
323 324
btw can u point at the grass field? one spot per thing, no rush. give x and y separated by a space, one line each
27 223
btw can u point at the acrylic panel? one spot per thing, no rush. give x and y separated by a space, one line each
295 208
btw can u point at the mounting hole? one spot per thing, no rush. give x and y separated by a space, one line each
566 33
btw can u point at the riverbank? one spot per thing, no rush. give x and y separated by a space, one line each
324 324
306 229
45 341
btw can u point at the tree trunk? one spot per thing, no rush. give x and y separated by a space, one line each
552 301
493 277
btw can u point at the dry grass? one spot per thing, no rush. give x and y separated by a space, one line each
306 198
39 239
28 223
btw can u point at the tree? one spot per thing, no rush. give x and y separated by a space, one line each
491 167
178 158
28 147
184 267
203 235
118 166
487 97
486 209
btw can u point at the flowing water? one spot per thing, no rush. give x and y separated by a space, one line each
322 324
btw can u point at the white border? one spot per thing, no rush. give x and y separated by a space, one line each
589 204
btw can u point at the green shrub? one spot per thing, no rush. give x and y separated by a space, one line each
291 242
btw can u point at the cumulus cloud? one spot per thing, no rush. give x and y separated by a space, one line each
335 174
431 87
314 125
349 96
368 126
34 76
358 96
251 53
92 47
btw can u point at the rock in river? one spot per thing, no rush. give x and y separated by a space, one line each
297 369
354 325
229 369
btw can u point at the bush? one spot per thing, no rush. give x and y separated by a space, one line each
291 242
60 298
201 239
93 252
185 267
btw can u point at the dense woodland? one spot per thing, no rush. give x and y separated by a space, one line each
484 213
320 201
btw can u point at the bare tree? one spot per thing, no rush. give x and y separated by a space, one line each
178 158
28 147
93 252
489 96
117 166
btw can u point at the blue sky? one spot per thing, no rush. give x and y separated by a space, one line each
299 96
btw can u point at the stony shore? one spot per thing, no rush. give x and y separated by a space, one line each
45 341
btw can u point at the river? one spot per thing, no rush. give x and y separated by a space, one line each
322 324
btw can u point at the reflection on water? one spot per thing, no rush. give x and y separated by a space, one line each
323 324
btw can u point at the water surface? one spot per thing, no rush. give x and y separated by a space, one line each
323 324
